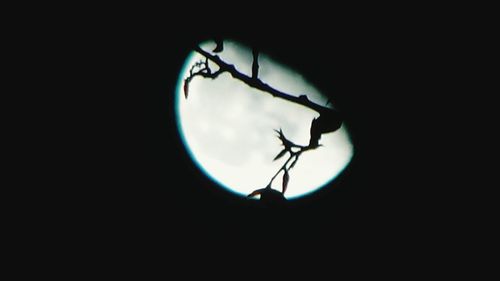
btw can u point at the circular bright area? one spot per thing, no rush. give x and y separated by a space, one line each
228 127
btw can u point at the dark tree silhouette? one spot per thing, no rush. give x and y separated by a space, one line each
328 121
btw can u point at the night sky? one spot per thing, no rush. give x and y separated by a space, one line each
380 74
113 187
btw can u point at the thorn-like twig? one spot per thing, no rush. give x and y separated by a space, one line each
293 155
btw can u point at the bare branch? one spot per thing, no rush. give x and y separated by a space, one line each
258 84
293 163
204 71
281 154
288 148
207 74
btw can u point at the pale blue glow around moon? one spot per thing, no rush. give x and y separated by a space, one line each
227 127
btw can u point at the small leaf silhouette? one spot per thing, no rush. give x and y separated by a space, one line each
220 45
186 88
286 177
280 155
327 122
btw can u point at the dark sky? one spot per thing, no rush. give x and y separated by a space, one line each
373 73
382 74
125 195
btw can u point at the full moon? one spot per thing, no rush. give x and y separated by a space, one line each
228 127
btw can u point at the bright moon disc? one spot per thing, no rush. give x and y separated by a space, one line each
228 127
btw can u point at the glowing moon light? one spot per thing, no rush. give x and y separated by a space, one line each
227 127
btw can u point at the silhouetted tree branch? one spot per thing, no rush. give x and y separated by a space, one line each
258 84
288 147
328 121
203 71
